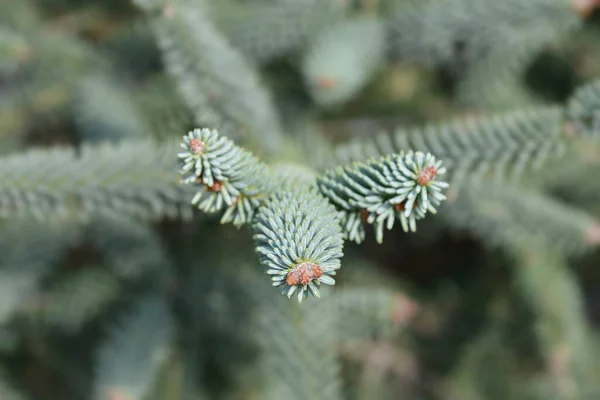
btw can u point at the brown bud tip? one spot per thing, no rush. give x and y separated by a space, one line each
399 207
426 175
196 146
168 10
303 273
216 187
364 215
585 8
593 235
326 82
403 309
117 394
23 53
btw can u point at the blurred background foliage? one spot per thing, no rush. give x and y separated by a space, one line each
112 287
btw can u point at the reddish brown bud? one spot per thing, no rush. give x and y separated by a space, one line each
426 175
593 234
216 187
364 215
117 394
303 273
403 309
585 8
326 82
168 10
196 146
402 206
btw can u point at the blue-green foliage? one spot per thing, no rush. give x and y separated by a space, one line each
129 361
379 191
499 147
297 227
234 178
117 293
343 59
208 71
583 110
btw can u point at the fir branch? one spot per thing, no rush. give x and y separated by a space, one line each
72 302
217 84
230 177
29 249
299 241
133 51
136 178
297 345
343 58
495 82
465 30
161 108
498 147
263 32
129 361
486 44
372 313
379 191
582 114
104 112
45 83
501 215
475 377
132 250
544 278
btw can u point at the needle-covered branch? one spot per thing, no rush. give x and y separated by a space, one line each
299 239
380 191
300 222
230 178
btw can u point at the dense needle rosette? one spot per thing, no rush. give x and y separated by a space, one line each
228 176
379 191
207 157
299 240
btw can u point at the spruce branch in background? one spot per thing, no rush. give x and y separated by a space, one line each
129 361
343 59
550 286
582 113
500 215
499 147
29 249
104 111
263 32
135 177
487 44
218 85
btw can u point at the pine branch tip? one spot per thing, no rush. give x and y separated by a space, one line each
400 187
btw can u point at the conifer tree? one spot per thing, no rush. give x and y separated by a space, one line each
299 199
